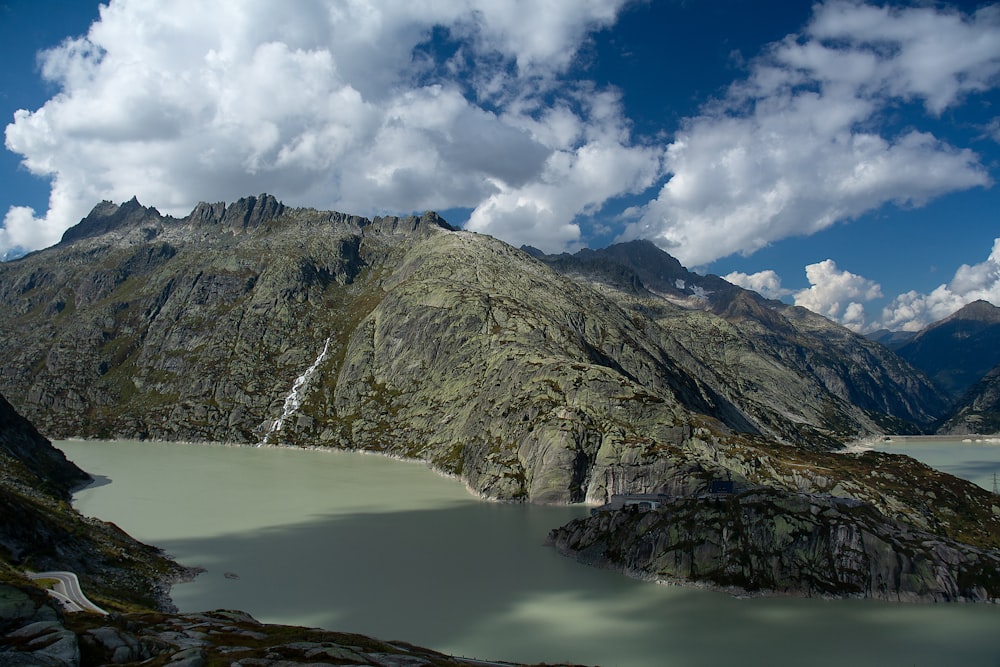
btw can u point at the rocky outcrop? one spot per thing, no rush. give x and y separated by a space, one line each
33 634
767 541
42 466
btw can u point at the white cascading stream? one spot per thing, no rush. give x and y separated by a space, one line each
294 399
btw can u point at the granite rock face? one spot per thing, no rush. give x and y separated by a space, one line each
41 465
441 345
767 541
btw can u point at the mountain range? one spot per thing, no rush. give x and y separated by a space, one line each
533 377
527 376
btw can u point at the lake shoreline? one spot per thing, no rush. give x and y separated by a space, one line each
315 545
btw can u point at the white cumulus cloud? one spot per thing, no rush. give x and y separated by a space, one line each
837 294
766 283
796 146
846 297
913 311
332 104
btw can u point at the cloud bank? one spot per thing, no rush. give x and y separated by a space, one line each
385 106
797 146
368 107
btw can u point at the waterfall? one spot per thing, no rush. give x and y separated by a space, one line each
294 399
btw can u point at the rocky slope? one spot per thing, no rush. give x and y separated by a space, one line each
978 412
33 634
792 370
767 541
31 459
424 342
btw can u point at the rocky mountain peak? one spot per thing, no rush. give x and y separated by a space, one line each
409 224
979 310
245 214
108 216
252 212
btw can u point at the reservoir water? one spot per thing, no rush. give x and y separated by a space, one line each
361 543
974 459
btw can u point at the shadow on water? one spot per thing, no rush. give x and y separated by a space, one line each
456 580
96 482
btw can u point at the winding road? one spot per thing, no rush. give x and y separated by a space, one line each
68 592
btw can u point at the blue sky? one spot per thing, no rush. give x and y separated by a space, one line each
840 155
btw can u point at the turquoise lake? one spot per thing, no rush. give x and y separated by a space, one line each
362 543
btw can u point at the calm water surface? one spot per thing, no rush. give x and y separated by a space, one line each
361 543
976 460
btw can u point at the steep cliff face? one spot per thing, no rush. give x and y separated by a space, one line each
31 459
775 542
422 341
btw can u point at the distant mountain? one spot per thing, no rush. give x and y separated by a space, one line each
891 339
979 410
764 353
958 350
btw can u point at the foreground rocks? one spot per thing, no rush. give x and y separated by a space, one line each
767 541
33 634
